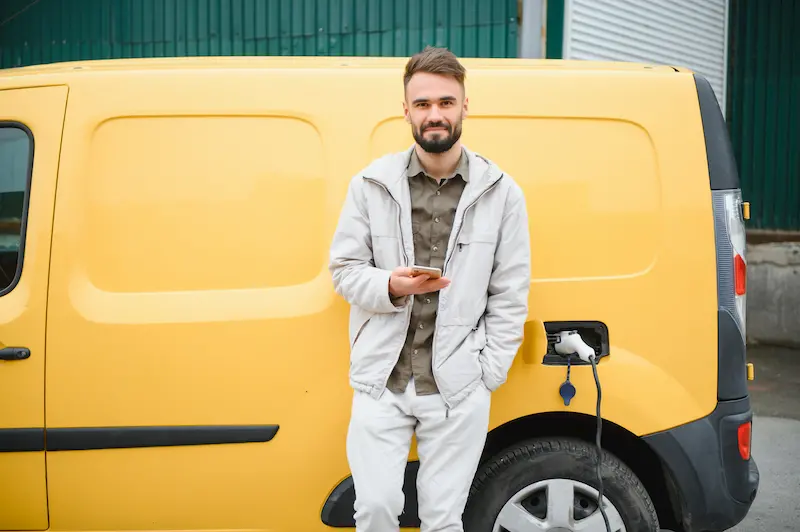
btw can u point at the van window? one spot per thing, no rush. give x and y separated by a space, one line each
15 164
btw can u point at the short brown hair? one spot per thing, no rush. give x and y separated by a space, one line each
435 60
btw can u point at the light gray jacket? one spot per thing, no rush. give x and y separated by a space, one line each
481 314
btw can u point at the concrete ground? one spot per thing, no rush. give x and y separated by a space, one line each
776 440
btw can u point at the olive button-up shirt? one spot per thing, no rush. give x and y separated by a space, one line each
433 207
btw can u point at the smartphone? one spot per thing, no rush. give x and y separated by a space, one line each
433 273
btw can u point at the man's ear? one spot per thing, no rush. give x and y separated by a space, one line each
466 107
406 115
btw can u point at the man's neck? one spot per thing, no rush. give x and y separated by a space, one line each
439 165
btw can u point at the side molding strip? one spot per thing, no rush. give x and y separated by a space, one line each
21 440
94 438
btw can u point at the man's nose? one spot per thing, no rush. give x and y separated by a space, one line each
435 114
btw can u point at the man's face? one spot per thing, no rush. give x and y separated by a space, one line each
435 106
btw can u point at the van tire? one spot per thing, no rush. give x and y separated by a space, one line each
504 475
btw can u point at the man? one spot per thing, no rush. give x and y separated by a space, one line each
426 353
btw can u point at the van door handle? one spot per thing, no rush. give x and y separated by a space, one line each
15 353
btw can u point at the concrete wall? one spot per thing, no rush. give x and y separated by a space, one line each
773 293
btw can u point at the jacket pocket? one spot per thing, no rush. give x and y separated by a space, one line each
460 361
376 345
470 272
477 246
359 319
360 330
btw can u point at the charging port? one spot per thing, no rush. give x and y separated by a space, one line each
594 333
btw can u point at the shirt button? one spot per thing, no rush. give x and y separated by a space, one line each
438 193
436 220
427 300
436 248
416 351
421 326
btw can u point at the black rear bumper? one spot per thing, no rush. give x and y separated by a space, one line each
712 487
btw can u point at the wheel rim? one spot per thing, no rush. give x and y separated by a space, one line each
557 505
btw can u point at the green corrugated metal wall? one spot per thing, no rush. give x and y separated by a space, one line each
45 31
554 28
764 108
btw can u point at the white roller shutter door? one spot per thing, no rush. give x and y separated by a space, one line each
687 33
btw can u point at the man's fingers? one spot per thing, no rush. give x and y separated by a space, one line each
433 285
420 284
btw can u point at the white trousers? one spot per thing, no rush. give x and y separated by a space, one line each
449 446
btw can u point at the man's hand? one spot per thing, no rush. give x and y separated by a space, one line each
401 283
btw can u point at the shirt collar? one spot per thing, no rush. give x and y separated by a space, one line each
414 167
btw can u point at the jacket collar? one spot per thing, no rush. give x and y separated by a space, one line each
390 171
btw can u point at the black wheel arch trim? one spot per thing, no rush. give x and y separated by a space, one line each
714 486
337 512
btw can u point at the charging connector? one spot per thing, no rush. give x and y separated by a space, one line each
571 343
568 343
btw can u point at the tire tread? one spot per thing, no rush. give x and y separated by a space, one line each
526 451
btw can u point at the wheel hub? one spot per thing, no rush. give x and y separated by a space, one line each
557 505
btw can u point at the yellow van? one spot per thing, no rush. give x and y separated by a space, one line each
174 356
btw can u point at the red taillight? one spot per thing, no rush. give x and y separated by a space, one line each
740 275
745 431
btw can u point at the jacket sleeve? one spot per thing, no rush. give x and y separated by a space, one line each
351 264
509 286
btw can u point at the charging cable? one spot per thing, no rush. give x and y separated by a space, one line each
567 344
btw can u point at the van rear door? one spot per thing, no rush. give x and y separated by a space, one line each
31 120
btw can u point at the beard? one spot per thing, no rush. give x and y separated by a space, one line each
440 142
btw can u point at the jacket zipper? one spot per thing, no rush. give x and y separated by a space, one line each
399 215
405 255
435 331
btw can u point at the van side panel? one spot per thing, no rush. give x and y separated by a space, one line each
190 297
